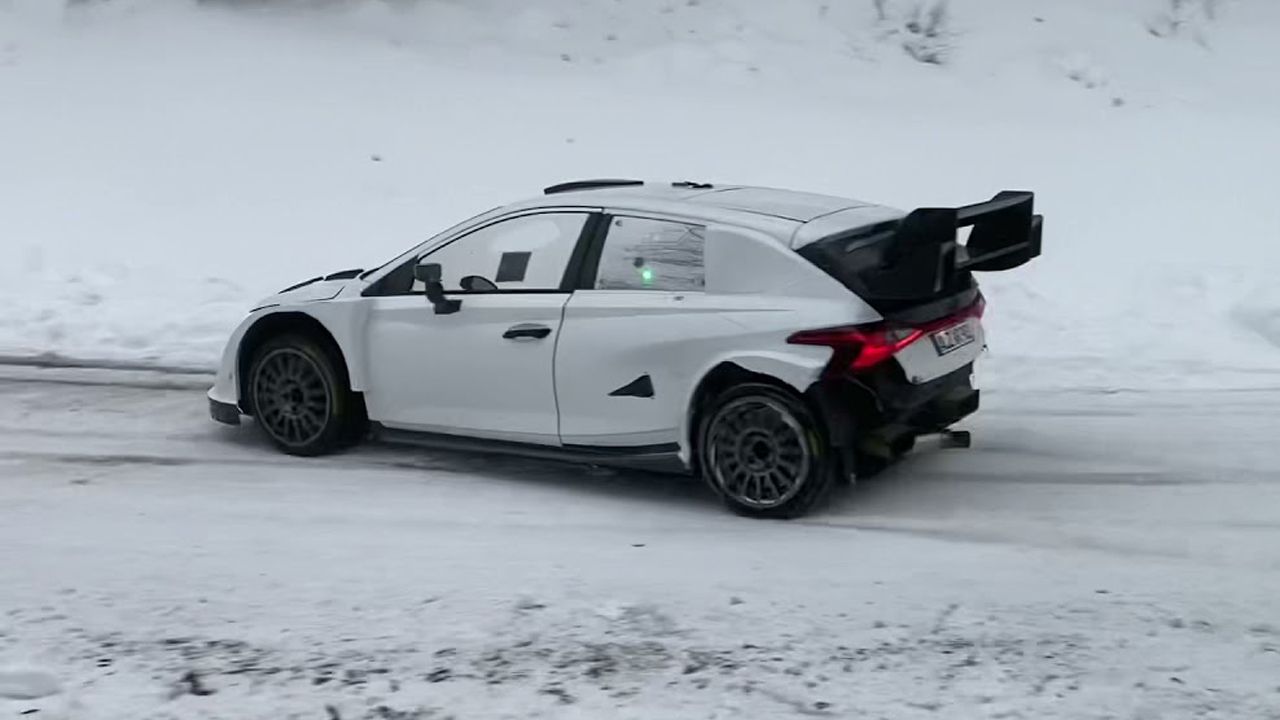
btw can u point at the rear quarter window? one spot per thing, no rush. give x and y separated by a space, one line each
647 254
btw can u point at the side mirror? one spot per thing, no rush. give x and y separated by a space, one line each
429 274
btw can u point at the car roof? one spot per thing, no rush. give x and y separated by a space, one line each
793 217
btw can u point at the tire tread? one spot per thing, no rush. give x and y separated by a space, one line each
346 418
826 462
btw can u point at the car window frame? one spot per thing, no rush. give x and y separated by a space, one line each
568 280
591 262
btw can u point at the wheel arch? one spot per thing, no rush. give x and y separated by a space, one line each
272 325
788 373
841 405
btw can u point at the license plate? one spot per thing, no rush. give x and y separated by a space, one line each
953 338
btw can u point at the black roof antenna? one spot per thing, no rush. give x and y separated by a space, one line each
590 185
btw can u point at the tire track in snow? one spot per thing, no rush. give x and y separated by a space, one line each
56 361
25 370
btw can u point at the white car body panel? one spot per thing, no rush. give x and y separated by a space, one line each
226 384
457 374
788 204
495 388
612 337
757 293
852 217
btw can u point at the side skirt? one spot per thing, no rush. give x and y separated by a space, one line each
652 458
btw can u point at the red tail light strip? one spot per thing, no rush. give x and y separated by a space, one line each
859 348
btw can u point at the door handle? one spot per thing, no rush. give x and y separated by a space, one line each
535 332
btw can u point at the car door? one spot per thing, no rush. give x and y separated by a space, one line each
487 369
634 334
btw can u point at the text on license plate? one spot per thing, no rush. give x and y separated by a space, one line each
953 338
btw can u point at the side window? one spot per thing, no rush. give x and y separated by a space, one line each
529 252
643 254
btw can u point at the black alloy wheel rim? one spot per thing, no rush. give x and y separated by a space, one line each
757 452
291 397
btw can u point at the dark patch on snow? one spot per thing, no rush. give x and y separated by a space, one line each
583 656
191 684
559 693
118 460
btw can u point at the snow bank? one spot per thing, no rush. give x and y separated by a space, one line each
164 165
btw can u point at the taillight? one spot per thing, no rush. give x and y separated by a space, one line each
862 347
859 348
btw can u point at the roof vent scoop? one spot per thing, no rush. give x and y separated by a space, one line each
692 185
597 184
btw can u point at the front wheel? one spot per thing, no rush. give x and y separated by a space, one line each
765 453
300 399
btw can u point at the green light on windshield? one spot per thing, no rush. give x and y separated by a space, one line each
646 276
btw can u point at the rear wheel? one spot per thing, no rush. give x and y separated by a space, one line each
763 451
300 398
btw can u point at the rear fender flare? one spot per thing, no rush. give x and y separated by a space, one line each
797 369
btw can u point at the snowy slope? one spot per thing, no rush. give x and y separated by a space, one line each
162 165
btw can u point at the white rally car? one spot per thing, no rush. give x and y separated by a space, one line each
774 342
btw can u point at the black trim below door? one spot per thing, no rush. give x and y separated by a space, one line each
655 458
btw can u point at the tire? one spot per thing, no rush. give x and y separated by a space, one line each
301 399
764 452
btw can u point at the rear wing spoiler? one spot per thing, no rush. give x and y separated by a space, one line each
1006 233
925 255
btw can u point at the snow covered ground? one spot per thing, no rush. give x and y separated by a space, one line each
163 166
1088 558
1108 549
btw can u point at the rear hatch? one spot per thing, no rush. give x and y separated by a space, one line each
918 275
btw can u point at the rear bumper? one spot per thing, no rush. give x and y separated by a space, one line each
881 408
927 407
224 412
